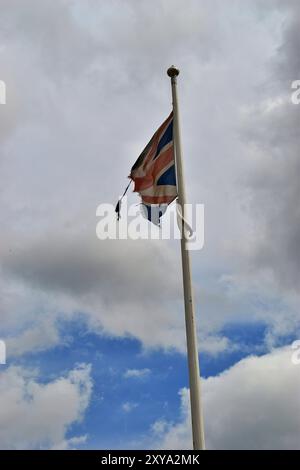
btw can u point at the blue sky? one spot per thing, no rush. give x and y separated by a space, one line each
152 396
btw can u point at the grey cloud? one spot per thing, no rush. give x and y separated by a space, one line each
86 115
125 288
288 67
48 31
80 264
273 181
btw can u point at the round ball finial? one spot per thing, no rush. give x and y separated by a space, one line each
173 71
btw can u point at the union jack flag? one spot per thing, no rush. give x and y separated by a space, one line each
154 172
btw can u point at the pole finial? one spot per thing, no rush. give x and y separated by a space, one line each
173 71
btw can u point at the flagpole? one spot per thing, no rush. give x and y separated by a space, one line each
190 323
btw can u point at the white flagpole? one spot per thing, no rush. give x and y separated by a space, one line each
191 334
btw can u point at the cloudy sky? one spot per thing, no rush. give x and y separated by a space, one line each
94 328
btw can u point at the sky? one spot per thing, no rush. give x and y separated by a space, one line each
94 329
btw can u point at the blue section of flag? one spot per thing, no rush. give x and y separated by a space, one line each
168 177
166 138
153 213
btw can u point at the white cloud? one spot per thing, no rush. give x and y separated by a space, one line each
71 443
129 406
137 373
38 415
40 336
253 405
214 344
174 436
